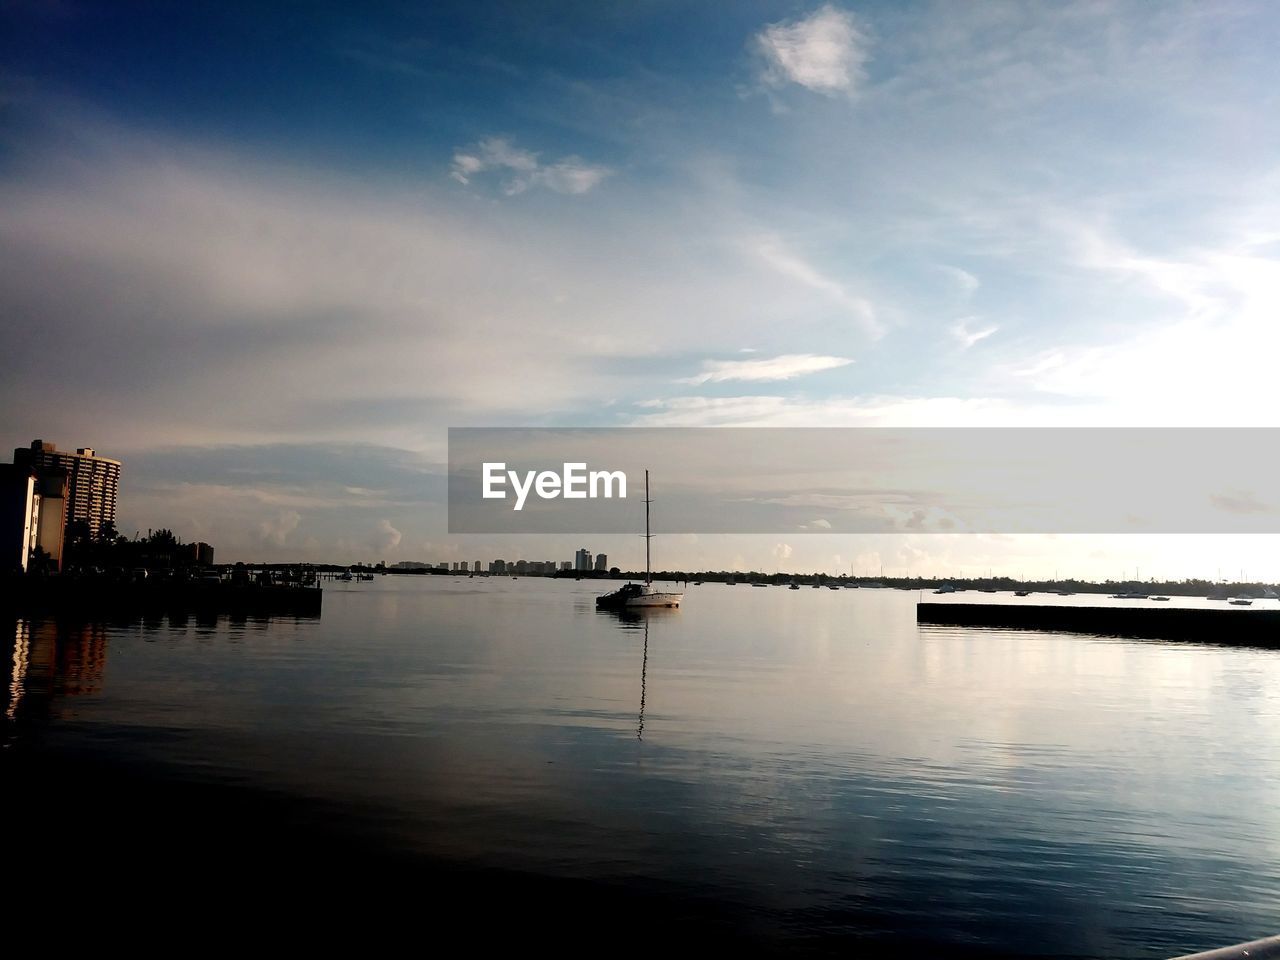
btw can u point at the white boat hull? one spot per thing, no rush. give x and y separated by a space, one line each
656 600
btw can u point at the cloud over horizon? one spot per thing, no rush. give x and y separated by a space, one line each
785 367
968 335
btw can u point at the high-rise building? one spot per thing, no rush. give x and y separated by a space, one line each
602 561
475 567
93 482
582 559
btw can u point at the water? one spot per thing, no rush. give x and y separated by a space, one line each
800 769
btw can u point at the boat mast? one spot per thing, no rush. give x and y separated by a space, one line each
648 574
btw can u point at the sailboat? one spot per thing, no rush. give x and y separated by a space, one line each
634 595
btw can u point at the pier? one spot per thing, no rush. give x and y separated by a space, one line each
1255 628
93 597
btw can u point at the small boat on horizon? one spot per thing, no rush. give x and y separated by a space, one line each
1240 602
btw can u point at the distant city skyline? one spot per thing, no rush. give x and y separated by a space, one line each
269 284
501 565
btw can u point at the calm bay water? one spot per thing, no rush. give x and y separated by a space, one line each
809 768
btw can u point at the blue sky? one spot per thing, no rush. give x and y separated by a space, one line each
263 238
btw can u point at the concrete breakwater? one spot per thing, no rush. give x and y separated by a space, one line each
1230 626
94 596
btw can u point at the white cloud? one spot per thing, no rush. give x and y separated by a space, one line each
877 411
824 52
386 537
1214 327
275 531
968 335
523 170
772 250
966 283
712 411
465 166
784 367
571 175
370 311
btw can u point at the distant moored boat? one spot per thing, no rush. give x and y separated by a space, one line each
634 595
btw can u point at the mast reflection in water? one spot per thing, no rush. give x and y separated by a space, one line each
644 671
638 619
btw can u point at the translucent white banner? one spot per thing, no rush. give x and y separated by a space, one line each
864 480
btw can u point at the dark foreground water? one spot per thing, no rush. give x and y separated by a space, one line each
761 771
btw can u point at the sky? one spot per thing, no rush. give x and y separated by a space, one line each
267 257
